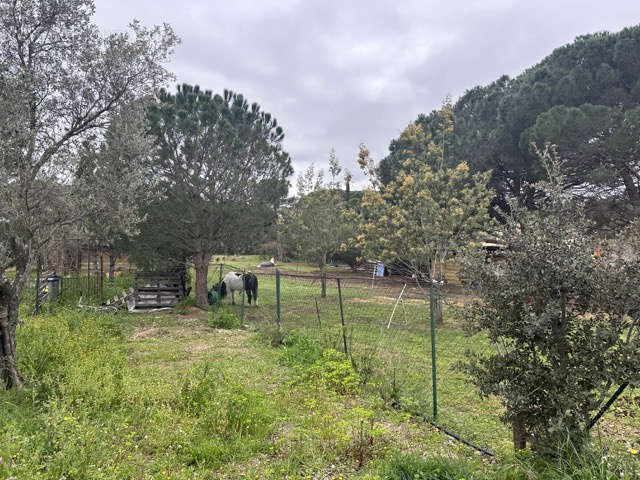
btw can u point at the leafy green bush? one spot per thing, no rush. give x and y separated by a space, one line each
300 349
332 371
222 319
559 307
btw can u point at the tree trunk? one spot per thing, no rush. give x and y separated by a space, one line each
519 433
9 374
630 187
202 260
112 267
279 252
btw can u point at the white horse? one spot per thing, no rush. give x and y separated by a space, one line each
233 281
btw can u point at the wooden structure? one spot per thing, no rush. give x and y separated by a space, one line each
157 289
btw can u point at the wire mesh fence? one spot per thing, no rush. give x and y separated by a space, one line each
385 328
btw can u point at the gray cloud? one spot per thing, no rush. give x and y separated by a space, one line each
339 73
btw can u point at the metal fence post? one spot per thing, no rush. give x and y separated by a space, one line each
88 272
278 297
37 308
242 300
318 313
100 284
433 352
344 334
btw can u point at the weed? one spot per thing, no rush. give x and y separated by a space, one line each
225 408
272 336
366 362
222 319
365 437
416 467
300 349
332 371
184 306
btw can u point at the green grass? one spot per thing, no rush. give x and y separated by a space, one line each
168 395
396 362
250 262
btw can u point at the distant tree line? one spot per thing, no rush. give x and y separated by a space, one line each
584 97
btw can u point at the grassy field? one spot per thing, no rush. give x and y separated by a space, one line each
167 395
250 262
397 355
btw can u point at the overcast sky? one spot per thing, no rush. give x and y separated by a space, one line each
338 73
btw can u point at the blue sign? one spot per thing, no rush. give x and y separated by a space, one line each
380 269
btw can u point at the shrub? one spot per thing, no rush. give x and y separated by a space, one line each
366 362
225 320
365 437
300 349
332 371
561 307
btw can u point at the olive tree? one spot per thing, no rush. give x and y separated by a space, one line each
561 308
62 83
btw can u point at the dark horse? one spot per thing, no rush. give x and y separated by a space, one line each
233 281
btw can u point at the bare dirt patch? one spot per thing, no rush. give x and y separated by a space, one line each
149 332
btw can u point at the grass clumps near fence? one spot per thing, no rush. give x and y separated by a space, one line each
223 319
184 306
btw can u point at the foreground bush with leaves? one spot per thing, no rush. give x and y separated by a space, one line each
562 310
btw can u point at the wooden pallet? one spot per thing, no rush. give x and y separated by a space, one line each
157 289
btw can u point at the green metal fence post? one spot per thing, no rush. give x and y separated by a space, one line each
344 334
278 297
433 353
